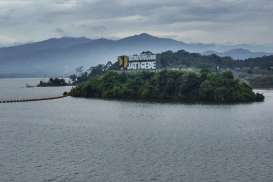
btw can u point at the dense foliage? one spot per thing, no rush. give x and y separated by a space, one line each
53 82
185 59
168 85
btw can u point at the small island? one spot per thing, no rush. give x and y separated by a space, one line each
170 86
54 82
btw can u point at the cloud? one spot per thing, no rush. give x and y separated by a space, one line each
60 32
238 21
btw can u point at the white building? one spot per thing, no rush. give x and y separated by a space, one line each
144 61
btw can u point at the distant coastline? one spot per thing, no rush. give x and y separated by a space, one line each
15 75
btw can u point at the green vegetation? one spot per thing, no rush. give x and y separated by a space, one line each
257 71
180 86
53 82
185 59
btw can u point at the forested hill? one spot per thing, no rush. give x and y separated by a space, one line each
183 58
168 86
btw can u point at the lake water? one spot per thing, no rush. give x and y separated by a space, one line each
83 140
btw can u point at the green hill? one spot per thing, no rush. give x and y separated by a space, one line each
178 86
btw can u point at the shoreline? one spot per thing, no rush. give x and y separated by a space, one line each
169 101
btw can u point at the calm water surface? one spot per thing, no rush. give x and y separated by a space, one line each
82 140
16 89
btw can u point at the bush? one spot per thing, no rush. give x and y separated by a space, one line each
53 82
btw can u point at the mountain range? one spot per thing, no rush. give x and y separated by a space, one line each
60 56
238 54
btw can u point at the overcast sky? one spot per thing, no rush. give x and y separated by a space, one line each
213 21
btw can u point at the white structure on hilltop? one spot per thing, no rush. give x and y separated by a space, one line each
144 61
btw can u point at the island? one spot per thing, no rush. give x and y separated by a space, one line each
54 82
168 85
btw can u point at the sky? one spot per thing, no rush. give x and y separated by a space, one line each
206 21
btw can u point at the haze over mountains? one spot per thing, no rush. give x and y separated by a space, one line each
238 54
61 56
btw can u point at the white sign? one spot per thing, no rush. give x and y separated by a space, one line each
142 57
147 65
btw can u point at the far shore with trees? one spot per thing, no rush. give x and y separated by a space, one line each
54 82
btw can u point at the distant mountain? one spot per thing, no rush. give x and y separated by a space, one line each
63 55
238 54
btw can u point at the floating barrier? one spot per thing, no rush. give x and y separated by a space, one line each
31 100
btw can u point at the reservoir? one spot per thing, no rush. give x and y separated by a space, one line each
82 140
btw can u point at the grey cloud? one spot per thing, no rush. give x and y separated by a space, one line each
195 20
60 32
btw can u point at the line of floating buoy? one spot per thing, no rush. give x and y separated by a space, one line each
31 100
